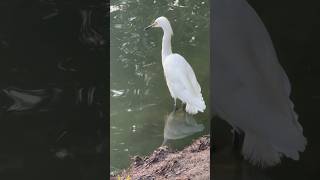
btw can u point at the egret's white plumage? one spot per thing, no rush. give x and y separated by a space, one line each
180 77
250 88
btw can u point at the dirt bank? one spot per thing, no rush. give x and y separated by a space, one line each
192 163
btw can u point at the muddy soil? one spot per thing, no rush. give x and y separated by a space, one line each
192 163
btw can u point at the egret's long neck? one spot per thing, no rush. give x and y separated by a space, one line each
166 45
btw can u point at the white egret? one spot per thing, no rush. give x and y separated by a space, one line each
180 78
250 89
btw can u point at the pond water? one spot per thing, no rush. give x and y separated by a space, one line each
140 104
53 90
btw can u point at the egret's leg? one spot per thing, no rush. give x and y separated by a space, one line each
238 137
175 104
182 104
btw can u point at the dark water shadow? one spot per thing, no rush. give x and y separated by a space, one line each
53 88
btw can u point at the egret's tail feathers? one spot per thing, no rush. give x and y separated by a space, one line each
197 105
259 152
295 117
263 154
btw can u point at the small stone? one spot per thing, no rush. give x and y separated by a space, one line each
137 161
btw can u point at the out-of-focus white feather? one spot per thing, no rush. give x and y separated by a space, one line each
250 89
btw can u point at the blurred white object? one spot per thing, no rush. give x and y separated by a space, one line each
250 89
181 80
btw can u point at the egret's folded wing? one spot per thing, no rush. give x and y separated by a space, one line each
185 73
180 75
193 79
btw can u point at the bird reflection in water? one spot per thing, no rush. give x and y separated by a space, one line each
178 125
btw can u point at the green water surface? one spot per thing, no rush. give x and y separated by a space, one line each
141 106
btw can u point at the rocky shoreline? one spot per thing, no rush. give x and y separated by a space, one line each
191 163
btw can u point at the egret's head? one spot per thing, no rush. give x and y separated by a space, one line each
163 23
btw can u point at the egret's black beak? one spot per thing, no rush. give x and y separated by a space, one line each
150 26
